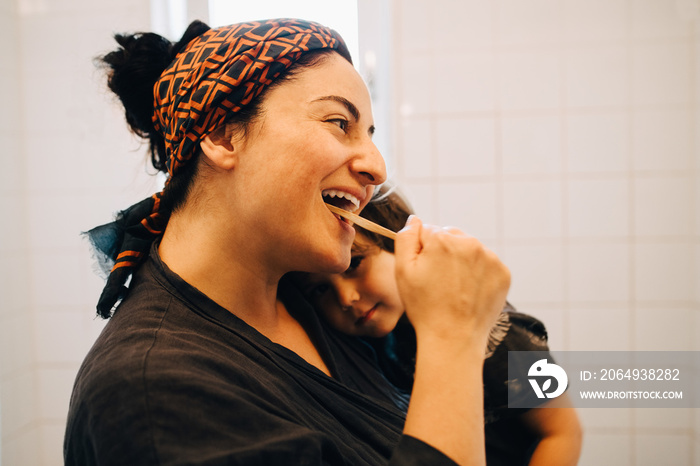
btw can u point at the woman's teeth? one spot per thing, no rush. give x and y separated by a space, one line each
342 199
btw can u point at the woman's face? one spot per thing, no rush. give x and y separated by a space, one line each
363 300
312 143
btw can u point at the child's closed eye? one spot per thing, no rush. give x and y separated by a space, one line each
355 262
316 291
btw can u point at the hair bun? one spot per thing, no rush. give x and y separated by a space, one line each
134 69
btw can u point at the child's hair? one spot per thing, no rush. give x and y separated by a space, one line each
389 209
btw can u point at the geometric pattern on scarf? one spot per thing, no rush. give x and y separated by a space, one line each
217 73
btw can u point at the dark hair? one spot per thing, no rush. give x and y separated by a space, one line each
389 209
133 70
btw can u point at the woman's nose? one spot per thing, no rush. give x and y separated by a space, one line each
370 164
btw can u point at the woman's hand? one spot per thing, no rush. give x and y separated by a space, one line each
452 286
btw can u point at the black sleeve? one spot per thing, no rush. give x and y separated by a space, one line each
413 452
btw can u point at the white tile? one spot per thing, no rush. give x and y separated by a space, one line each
663 329
593 419
598 208
664 272
59 214
697 276
21 449
662 74
531 144
12 176
469 206
659 19
595 20
416 85
15 283
60 337
599 329
537 273
413 16
664 419
21 411
44 38
606 448
597 143
55 280
532 209
462 23
9 120
697 213
465 82
416 154
663 206
14 232
422 198
598 273
597 77
465 146
16 343
527 23
529 80
59 170
662 139
54 390
655 449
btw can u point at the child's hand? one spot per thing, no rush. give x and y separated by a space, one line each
452 287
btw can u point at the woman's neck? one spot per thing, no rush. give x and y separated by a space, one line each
221 267
234 277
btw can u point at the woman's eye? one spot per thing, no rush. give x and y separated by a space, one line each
340 122
355 262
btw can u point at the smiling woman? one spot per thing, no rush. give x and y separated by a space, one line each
211 356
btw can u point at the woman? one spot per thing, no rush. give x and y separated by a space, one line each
210 358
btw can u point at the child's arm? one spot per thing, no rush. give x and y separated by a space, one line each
557 424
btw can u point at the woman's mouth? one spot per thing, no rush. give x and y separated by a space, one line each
366 316
341 200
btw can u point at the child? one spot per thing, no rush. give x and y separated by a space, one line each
364 301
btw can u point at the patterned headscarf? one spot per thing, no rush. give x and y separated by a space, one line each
218 72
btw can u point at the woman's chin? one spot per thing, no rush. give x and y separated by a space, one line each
333 262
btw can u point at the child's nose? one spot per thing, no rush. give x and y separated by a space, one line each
347 296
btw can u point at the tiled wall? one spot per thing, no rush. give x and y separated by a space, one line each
18 415
68 164
564 134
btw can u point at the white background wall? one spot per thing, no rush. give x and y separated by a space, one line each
564 133
68 163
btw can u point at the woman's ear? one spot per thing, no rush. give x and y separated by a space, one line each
220 151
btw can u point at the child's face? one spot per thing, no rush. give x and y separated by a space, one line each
363 300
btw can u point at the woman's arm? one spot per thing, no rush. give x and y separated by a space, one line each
453 289
558 426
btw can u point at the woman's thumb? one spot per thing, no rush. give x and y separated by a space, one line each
408 242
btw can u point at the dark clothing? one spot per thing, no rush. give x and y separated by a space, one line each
508 440
176 379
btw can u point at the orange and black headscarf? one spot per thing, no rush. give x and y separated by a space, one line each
218 72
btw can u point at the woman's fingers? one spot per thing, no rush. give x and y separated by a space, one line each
448 280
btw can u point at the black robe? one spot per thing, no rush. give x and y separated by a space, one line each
176 379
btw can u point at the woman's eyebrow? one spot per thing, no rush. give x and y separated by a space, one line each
342 100
349 105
